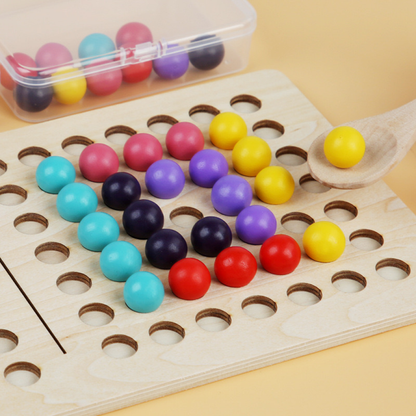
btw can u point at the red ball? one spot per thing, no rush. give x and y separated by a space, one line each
280 254
135 72
142 150
235 267
97 162
22 64
183 140
189 279
133 32
104 82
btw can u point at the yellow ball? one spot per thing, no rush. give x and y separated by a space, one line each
274 185
344 147
250 155
226 129
69 91
324 241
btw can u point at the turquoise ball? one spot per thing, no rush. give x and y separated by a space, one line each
75 201
53 173
143 292
119 260
96 230
95 45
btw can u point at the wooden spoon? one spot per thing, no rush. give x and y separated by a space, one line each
388 138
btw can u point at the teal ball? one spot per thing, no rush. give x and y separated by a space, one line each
53 173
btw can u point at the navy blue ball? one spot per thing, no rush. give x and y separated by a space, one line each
207 57
120 190
35 98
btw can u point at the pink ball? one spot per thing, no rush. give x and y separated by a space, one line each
141 150
106 82
183 140
52 54
133 32
97 162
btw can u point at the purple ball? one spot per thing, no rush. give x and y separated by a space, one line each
255 224
231 194
173 65
165 179
207 166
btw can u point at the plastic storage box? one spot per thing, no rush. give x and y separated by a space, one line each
63 57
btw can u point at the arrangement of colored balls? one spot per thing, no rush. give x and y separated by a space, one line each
280 254
165 247
189 279
33 98
250 155
324 241
226 129
22 64
274 185
344 147
142 150
208 56
71 90
142 218
53 173
206 167
119 190
143 292
97 162
173 64
255 224
231 194
210 235
184 140
119 260
235 267
53 54
103 82
75 201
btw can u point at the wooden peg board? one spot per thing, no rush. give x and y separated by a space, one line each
77 377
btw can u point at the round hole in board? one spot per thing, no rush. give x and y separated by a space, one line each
32 156
348 281
11 195
393 269
3 167
291 156
166 333
73 283
304 294
96 314
245 103
161 123
74 145
22 374
119 134
366 240
268 129
309 184
8 341
203 113
340 211
119 346
213 320
259 307
296 222
185 217
52 253
31 223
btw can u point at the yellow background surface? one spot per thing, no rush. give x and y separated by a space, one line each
351 59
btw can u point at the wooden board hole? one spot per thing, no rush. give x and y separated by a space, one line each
393 269
119 346
73 283
185 217
291 156
259 307
161 123
296 222
3 167
96 314
268 129
340 211
31 223
52 253
166 333
348 281
366 240
11 195
213 320
8 341
245 103
22 374
304 294
203 113
309 184
74 145
119 134
32 156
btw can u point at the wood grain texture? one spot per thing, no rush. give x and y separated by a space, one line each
85 381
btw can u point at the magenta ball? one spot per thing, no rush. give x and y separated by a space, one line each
165 179
183 140
104 82
133 32
97 162
173 65
207 166
142 150
231 194
52 54
255 224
